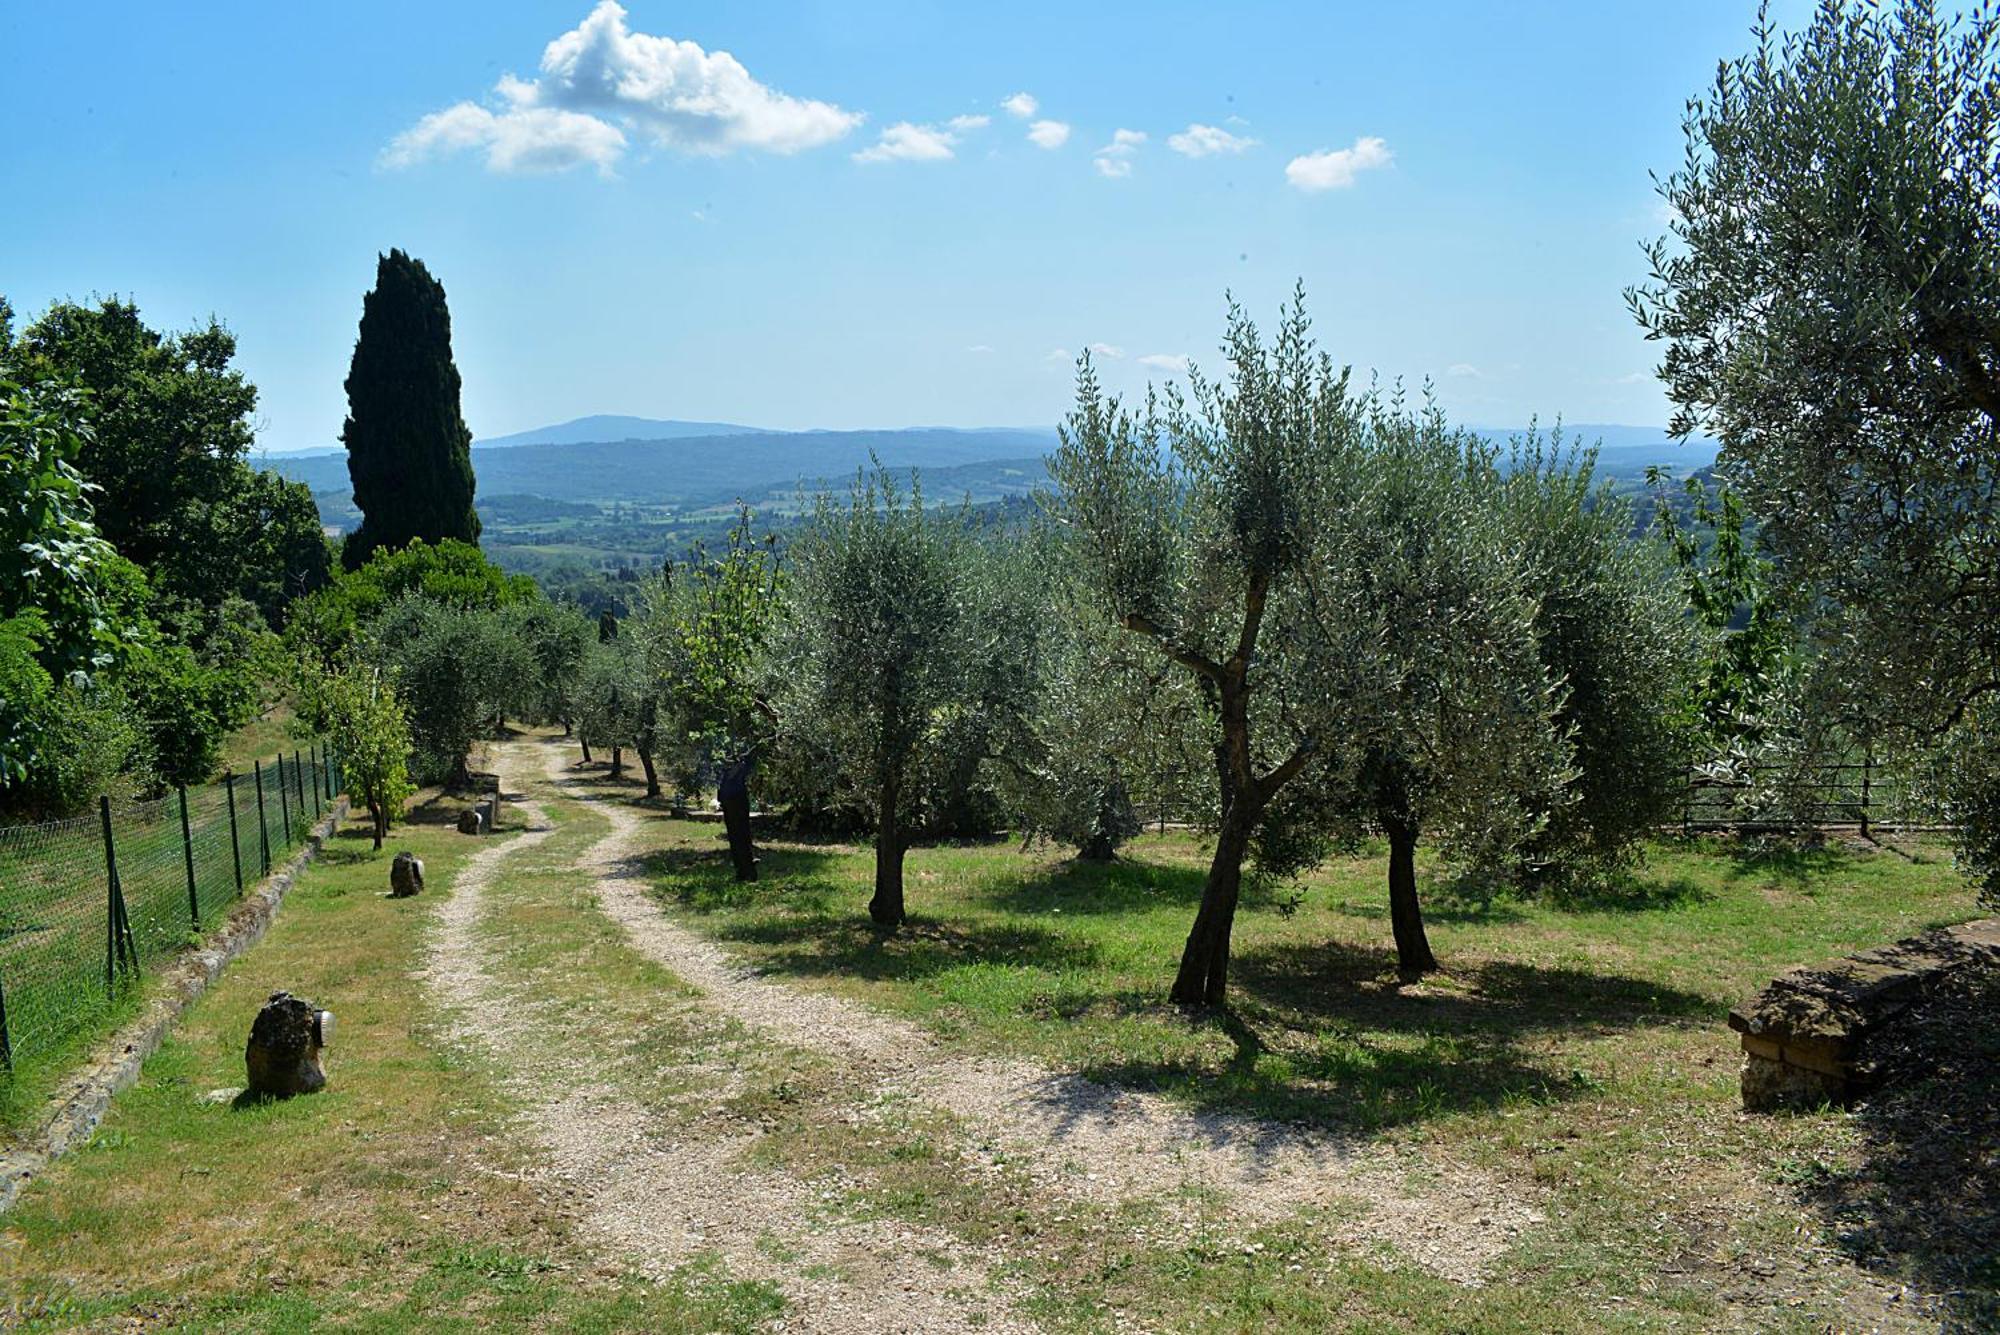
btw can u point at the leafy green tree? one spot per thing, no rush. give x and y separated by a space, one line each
409 452
1829 301
63 731
558 636
454 668
362 720
1108 712
906 658
704 628
1451 710
168 422
1729 588
612 700
1344 584
1610 626
1195 524
169 417
448 573
52 557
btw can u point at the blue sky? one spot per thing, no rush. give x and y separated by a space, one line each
636 225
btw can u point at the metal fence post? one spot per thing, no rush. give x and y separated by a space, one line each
235 847
6 1038
1867 763
263 825
299 783
119 947
284 801
187 857
316 784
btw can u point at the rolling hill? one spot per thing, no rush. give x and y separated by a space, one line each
701 470
606 427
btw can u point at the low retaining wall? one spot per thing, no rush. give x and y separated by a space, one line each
76 1112
1805 1037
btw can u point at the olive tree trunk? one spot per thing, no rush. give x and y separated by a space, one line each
1406 914
886 908
1204 974
652 775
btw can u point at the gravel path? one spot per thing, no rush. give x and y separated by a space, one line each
662 1198
1083 1138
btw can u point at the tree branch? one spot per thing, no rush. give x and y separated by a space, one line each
1268 786
1193 660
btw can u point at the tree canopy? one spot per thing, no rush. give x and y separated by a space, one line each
905 663
409 452
1828 296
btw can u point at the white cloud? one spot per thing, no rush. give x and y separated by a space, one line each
1173 363
1464 371
979 347
1060 355
1114 159
1201 141
600 80
1048 134
1336 170
521 139
1021 105
960 124
1108 351
904 142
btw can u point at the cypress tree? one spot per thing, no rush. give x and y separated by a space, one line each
409 453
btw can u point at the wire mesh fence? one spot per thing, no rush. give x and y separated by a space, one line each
89 904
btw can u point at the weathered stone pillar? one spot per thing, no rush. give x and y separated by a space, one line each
283 1052
406 875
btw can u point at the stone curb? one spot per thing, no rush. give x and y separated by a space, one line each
114 1066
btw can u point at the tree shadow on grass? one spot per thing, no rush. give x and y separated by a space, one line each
1627 891
1075 886
704 879
1324 1034
353 851
825 939
1924 1203
1790 860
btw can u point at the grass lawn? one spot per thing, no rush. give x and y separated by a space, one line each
1578 1050
391 1201
266 735
1574 1056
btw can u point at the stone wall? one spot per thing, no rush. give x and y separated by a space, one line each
1805 1037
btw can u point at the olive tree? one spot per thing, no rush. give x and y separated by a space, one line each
1339 577
907 662
455 668
1829 300
1451 711
613 703
1196 524
1115 729
703 627
1611 625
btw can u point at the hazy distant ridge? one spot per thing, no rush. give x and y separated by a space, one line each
703 468
610 427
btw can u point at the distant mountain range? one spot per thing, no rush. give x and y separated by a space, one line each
601 428
691 465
